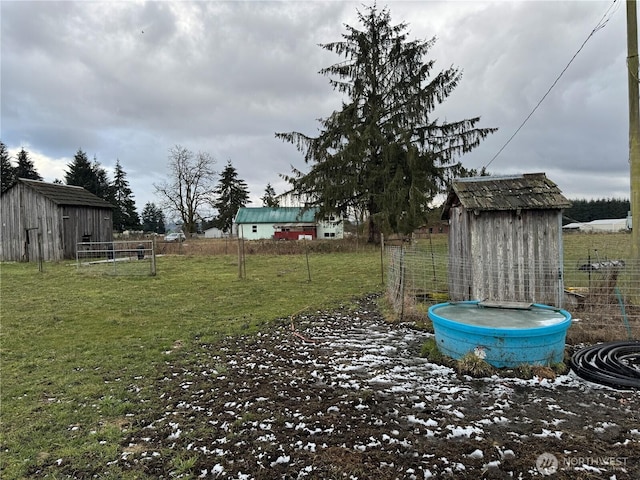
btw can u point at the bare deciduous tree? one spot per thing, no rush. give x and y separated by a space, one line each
191 186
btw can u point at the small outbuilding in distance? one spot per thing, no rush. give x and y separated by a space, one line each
52 218
608 225
505 239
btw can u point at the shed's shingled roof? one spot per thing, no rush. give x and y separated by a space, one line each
275 215
66 194
530 191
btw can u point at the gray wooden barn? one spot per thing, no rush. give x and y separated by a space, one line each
505 239
53 216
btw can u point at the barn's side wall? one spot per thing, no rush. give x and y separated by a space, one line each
25 215
11 240
507 256
89 223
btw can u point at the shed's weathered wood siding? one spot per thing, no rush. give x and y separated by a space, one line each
506 256
25 214
85 224
460 268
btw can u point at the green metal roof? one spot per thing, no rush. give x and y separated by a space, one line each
275 215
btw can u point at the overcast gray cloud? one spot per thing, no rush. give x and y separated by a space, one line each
128 80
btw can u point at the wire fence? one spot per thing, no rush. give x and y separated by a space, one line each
602 294
127 257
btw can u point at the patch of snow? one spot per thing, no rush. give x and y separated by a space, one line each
548 433
426 423
281 460
463 431
477 453
507 454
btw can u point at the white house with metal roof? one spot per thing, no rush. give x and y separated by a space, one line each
286 223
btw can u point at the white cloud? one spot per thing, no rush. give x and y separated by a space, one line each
49 168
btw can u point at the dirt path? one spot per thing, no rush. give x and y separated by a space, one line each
359 402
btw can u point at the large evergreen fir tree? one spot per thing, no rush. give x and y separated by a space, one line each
231 194
125 216
102 185
91 176
152 219
25 167
269 198
80 172
7 172
384 153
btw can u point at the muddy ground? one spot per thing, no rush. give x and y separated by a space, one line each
347 396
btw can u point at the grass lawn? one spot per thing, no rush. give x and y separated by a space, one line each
75 345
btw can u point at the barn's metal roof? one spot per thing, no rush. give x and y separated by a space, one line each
66 194
529 191
280 215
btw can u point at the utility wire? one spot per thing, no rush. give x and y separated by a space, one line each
601 24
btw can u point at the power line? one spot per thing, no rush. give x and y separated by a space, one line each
601 24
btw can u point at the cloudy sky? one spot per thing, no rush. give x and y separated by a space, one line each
128 80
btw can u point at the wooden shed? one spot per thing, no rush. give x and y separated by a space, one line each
52 217
505 239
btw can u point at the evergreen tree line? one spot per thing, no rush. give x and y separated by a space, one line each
600 209
24 168
231 193
93 177
226 198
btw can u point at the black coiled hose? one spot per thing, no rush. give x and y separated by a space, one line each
615 364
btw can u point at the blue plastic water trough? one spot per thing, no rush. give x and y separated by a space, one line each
504 337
